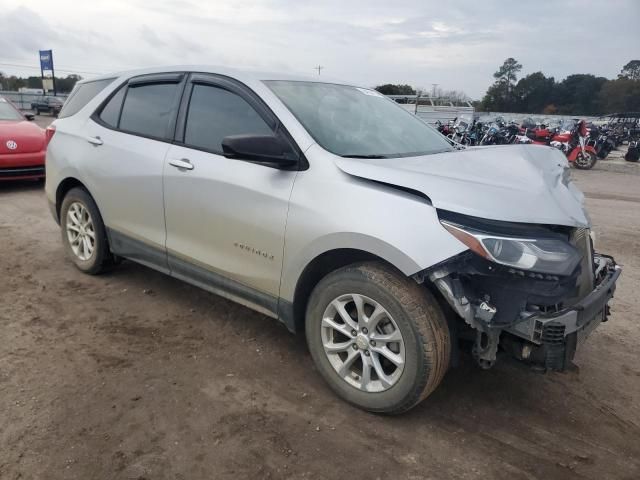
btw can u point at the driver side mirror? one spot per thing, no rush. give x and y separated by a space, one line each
30 116
267 149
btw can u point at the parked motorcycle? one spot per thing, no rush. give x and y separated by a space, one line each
445 128
600 141
583 156
498 133
541 134
633 153
581 147
572 143
458 133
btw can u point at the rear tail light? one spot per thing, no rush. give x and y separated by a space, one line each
49 132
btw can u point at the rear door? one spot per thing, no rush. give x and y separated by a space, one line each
131 135
225 217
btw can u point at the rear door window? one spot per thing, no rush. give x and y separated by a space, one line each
149 108
81 95
215 113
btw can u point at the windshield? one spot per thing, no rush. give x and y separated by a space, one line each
7 112
357 122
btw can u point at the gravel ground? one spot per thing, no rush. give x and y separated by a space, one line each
134 375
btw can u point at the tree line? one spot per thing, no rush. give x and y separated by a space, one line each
404 89
578 94
13 83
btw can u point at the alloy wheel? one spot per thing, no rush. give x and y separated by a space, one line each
80 231
585 160
363 343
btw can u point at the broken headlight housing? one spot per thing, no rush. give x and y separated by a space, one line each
553 256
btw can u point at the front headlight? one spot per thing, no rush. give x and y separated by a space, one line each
545 255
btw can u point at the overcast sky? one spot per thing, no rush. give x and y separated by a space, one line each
457 44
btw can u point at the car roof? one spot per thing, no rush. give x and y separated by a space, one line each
241 74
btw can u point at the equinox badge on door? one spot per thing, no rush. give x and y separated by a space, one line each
255 251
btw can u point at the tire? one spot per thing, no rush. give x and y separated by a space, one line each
88 260
409 309
587 162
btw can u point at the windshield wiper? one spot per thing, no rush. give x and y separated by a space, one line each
364 156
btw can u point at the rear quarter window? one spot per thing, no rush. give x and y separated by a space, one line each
110 113
81 95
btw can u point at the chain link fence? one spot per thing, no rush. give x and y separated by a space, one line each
23 100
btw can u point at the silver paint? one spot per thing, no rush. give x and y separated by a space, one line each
296 216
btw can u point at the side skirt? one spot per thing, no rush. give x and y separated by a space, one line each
223 286
148 255
182 269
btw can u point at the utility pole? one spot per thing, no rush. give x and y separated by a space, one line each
319 67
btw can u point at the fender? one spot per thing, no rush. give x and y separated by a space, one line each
295 265
590 148
574 153
398 226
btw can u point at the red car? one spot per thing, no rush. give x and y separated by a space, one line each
22 144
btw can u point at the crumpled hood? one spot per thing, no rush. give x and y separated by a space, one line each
515 183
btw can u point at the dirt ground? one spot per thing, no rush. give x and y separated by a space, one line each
134 375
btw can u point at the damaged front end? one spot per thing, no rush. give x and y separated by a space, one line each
536 291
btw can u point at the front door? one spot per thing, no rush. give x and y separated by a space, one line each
225 218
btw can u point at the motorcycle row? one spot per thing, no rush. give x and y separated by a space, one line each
582 144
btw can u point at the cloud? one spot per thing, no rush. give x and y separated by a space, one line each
457 45
17 38
151 37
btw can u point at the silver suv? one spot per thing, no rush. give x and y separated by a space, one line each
334 210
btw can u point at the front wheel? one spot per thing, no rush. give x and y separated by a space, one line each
378 338
585 160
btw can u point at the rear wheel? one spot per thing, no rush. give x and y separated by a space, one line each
83 233
585 161
378 338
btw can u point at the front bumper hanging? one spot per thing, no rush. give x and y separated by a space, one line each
545 336
552 338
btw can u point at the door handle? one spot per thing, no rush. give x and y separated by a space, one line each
94 140
182 164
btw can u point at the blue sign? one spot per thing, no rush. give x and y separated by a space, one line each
46 60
